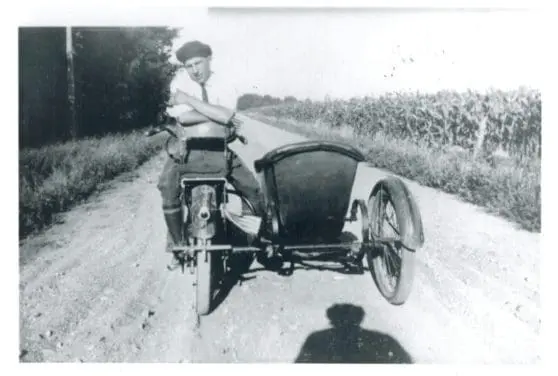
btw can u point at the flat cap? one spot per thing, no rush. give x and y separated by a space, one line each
193 49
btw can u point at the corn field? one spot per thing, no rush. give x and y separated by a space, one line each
509 121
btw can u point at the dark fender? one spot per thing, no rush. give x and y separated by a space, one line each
408 214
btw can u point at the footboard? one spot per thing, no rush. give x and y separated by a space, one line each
307 188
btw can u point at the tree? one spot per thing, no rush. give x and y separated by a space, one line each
290 99
250 100
128 84
122 80
42 85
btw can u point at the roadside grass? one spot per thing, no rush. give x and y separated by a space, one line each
501 187
52 179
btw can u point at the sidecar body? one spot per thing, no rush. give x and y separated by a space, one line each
307 188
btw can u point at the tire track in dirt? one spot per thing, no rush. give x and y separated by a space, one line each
96 292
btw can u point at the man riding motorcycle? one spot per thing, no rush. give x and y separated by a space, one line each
189 110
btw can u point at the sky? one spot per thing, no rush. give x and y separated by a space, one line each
343 54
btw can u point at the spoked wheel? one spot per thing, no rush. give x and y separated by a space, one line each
393 218
204 279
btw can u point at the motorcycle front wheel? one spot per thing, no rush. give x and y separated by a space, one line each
204 262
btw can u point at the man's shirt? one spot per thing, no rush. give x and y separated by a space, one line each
218 93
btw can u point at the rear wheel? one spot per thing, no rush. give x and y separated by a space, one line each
391 264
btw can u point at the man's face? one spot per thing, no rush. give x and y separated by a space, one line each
199 68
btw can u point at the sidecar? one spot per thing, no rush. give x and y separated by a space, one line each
308 188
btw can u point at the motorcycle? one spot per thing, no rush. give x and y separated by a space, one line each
220 225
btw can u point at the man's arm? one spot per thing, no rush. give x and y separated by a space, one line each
192 117
215 113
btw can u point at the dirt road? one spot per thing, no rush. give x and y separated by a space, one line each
95 289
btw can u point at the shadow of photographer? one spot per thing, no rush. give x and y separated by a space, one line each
347 342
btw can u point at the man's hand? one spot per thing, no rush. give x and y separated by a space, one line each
236 124
165 118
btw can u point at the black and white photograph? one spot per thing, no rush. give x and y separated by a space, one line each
281 185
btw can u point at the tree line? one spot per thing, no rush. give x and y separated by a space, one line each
122 78
251 100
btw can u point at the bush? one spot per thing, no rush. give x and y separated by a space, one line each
54 178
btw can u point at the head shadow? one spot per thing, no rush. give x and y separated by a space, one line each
347 342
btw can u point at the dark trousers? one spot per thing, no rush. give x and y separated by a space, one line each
207 163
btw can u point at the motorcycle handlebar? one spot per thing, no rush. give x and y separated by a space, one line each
156 130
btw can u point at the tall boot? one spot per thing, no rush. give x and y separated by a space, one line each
173 220
174 224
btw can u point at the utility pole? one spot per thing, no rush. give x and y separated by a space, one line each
71 83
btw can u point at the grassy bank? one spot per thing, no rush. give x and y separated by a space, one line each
54 178
506 189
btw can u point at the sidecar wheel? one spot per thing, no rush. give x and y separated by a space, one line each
203 282
396 234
